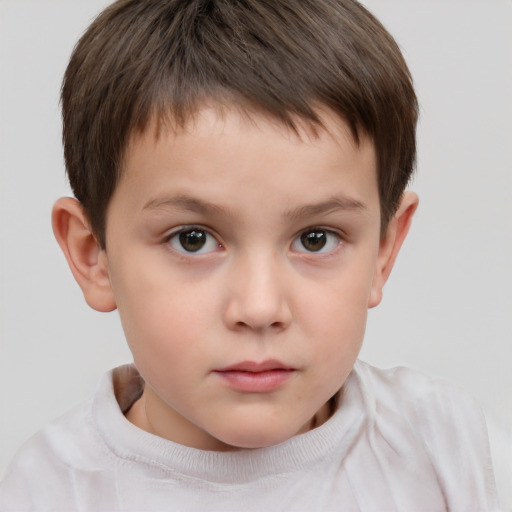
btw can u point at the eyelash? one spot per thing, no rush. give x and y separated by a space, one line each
327 237
178 246
175 240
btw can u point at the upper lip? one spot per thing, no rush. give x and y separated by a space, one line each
255 367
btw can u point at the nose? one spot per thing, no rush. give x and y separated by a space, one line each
257 295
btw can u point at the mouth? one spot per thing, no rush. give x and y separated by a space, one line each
254 377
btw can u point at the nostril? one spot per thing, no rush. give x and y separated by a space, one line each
274 326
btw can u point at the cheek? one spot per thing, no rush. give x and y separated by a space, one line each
340 340
335 316
340 303
161 312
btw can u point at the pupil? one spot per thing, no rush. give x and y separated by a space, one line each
313 240
192 241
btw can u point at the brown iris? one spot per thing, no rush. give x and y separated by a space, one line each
314 240
192 240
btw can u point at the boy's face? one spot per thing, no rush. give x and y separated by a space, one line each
242 261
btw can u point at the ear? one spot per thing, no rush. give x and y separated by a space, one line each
390 245
86 259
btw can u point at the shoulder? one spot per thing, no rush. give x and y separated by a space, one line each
43 474
405 385
425 401
43 463
443 421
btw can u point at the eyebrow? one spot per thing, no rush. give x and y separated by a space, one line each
185 203
192 204
324 207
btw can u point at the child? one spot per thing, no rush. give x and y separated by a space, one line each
239 172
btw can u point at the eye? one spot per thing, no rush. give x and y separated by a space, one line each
316 240
193 241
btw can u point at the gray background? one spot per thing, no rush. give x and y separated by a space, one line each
447 309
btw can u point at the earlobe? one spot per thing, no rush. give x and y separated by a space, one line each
86 259
390 245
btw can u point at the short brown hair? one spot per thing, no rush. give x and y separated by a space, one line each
163 58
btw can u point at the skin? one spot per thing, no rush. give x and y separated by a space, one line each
256 291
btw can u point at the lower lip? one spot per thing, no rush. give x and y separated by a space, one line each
256 382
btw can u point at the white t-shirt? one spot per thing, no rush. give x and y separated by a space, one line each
398 441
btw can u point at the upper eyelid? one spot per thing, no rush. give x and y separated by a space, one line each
188 227
335 231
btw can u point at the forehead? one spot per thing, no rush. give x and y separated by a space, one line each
210 117
228 147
